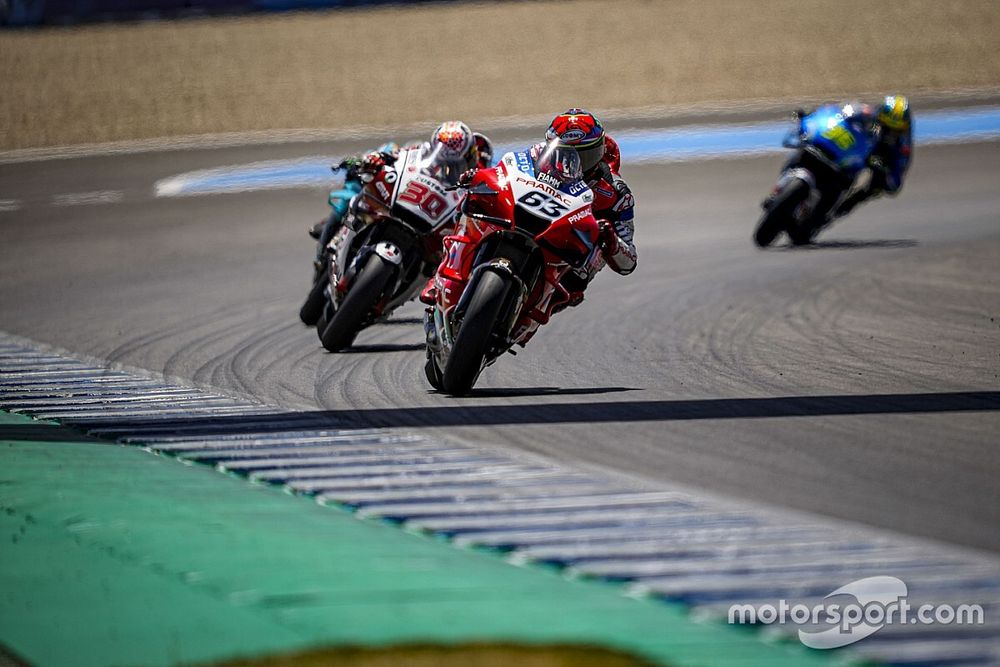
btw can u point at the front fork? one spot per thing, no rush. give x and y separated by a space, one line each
804 210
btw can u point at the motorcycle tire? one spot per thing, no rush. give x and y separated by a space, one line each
312 308
363 294
433 373
474 336
803 234
776 218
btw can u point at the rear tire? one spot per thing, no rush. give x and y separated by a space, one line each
433 373
776 218
361 297
475 334
312 309
803 234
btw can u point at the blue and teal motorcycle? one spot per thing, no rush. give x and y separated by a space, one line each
832 148
323 231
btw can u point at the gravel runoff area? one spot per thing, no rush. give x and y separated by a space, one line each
478 61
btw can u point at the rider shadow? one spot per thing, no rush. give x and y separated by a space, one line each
515 392
855 244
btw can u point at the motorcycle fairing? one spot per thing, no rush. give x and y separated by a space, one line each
418 197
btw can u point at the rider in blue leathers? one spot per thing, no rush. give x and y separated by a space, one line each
324 230
890 159
890 128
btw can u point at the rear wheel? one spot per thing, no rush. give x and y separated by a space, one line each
778 216
475 334
363 294
433 372
312 309
803 234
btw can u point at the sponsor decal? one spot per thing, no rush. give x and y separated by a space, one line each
524 163
573 135
575 189
544 187
430 183
548 178
580 215
382 190
390 177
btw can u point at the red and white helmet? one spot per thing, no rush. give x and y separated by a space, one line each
453 148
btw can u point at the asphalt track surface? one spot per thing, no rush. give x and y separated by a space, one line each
834 379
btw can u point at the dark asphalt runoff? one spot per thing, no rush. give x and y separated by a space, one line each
858 379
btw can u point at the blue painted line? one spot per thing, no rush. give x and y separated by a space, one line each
644 146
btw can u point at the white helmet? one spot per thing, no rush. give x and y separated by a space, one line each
453 149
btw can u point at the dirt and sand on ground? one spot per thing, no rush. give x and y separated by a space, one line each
399 65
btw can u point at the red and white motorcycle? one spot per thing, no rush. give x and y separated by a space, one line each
388 246
524 224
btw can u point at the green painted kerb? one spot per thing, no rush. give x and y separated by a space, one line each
110 555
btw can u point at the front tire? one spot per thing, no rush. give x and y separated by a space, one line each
364 292
475 334
778 215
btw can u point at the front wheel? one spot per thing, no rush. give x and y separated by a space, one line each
475 334
778 216
362 296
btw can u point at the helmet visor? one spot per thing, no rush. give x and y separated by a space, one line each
560 163
445 166
591 155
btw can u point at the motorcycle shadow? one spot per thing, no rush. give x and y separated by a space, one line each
383 347
854 244
401 320
514 392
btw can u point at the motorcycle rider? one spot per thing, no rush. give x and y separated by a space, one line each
324 230
359 168
890 127
600 160
614 205
891 157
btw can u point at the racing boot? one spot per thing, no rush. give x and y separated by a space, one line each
575 299
428 295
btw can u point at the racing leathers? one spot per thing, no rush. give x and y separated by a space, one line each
614 208
355 168
889 163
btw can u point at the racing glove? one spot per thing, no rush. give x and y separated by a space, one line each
372 163
465 180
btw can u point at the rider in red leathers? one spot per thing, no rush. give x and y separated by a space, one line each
613 201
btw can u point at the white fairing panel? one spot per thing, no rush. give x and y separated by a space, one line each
420 194
551 201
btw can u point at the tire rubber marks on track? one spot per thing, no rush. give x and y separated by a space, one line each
699 552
